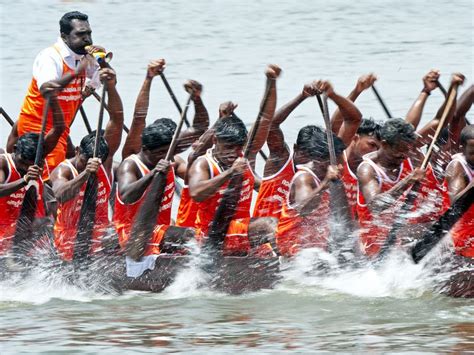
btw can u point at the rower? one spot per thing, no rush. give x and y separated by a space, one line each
280 167
187 210
70 177
210 175
66 65
144 152
365 140
460 177
17 172
304 219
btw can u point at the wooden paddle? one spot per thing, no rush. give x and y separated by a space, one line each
85 225
30 201
339 206
442 226
145 220
173 97
7 117
381 101
413 191
226 210
97 97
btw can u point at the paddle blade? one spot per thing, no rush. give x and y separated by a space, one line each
27 214
86 221
442 226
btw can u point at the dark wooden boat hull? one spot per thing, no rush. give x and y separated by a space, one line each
234 275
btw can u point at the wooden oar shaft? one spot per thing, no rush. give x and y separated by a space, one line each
329 134
381 101
97 97
7 117
447 108
98 132
173 97
85 119
177 132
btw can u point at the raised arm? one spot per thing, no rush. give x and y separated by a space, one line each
351 115
363 83
266 112
113 130
429 129
279 152
459 121
52 137
430 82
133 141
201 117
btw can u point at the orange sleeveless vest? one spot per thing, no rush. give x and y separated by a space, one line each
207 209
69 212
10 206
375 228
125 213
295 231
349 179
187 209
32 111
463 231
432 200
273 191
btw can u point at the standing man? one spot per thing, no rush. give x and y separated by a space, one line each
65 67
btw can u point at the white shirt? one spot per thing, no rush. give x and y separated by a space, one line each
48 65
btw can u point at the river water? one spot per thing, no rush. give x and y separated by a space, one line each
226 45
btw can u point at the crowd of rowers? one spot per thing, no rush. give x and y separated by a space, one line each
377 163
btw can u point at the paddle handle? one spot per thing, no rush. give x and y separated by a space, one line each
381 101
447 108
173 97
329 134
85 119
98 132
7 117
177 132
255 126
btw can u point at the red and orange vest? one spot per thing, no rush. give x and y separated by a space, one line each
10 206
273 191
295 231
125 213
69 212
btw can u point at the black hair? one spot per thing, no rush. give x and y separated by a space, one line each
231 130
368 127
467 133
396 130
158 134
26 146
312 140
87 146
65 21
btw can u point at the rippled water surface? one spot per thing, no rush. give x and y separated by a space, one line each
226 45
